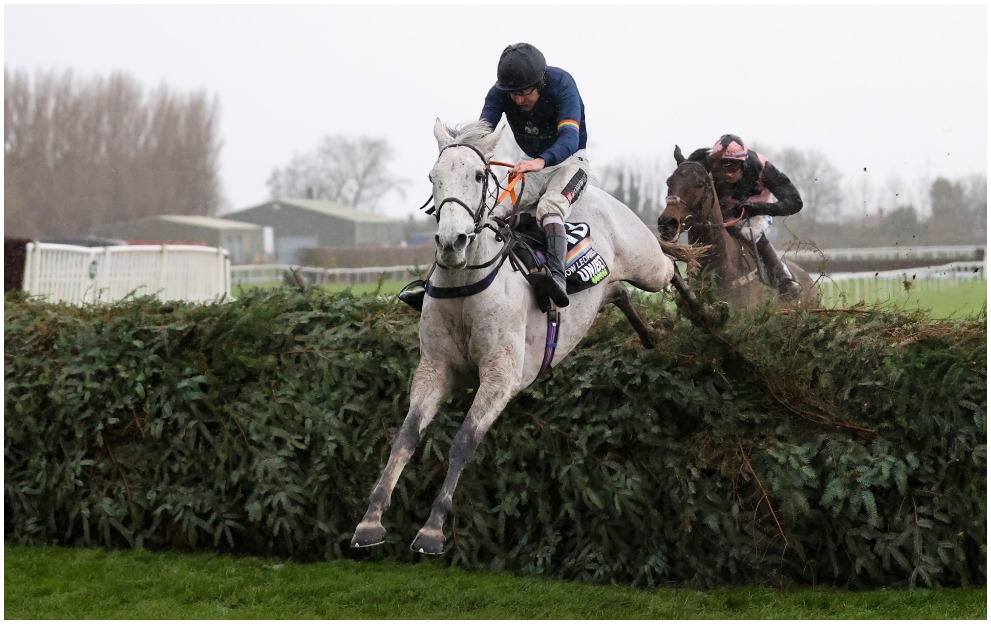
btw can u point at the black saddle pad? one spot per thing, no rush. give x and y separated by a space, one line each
583 266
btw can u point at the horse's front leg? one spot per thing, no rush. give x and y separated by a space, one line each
430 384
619 296
498 384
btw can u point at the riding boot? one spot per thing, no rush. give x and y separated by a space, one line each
783 279
550 281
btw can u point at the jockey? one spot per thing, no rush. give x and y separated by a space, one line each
748 184
547 116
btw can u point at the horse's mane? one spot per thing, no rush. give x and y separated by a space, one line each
470 132
700 155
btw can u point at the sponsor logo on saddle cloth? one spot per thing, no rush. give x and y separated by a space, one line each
583 266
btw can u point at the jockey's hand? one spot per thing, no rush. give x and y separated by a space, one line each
526 166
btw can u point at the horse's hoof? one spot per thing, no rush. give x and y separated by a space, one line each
370 534
646 341
428 542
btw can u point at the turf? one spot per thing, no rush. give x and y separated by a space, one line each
62 583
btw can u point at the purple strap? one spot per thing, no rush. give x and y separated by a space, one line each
552 323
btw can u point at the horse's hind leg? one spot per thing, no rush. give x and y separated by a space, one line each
494 392
620 296
427 390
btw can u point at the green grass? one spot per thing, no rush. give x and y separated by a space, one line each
966 299
63 583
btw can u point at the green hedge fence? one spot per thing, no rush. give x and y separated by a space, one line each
845 447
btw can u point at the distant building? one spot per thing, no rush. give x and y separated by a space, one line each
245 242
299 224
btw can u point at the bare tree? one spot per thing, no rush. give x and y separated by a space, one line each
79 153
640 183
351 171
816 179
976 189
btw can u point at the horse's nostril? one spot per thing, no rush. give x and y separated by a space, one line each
667 228
462 241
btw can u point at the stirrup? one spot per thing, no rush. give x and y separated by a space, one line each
545 285
412 294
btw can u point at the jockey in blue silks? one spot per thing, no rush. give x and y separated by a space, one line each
547 116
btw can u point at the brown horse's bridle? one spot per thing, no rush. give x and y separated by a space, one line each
690 218
689 221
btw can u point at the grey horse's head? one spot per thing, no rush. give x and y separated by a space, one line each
459 179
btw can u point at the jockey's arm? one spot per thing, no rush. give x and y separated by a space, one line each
789 201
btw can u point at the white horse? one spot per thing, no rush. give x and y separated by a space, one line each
496 338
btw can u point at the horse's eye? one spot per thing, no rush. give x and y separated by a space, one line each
479 175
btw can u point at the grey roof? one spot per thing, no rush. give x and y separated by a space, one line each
327 207
215 223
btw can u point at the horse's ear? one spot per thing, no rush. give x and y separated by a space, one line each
678 157
440 133
489 143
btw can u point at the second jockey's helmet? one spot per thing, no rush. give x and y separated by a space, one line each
733 147
521 66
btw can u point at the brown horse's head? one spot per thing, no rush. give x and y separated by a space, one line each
687 190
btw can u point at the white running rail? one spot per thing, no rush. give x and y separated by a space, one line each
74 274
315 276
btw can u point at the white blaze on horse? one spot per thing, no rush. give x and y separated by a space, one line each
485 327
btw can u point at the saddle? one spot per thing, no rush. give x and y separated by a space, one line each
584 267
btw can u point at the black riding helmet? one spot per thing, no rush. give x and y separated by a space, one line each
521 66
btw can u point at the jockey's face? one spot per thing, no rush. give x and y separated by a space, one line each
525 99
731 170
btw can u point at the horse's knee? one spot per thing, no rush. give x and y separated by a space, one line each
409 433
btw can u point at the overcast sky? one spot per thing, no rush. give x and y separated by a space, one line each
897 90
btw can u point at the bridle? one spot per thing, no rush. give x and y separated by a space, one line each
686 224
479 214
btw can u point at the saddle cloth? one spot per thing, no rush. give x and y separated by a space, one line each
583 266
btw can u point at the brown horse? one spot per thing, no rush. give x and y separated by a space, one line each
692 207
